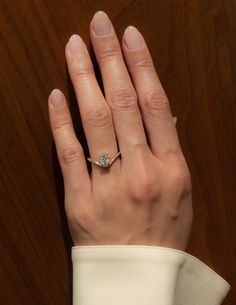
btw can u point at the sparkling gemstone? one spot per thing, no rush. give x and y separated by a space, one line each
104 159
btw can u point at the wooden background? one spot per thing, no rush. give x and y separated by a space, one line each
193 45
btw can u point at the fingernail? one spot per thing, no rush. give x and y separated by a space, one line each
133 38
57 98
101 23
75 45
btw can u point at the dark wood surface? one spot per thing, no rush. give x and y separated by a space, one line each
193 46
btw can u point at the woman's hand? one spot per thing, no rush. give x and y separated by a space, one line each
144 198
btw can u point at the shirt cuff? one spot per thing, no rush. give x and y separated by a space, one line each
139 274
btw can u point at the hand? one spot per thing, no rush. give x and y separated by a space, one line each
144 197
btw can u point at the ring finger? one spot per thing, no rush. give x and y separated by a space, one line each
95 113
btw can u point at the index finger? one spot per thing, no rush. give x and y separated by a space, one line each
154 104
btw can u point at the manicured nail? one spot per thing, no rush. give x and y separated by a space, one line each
133 38
76 45
57 98
101 24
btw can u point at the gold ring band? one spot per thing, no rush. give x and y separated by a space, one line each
104 159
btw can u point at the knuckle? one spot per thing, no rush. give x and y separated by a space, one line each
156 101
61 121
109 51
180 181
141 63
98 116
82 71
71 154
124 99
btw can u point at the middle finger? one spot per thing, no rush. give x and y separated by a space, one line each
119 91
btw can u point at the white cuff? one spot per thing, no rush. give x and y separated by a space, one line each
143 275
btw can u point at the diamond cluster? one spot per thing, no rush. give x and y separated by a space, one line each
104 159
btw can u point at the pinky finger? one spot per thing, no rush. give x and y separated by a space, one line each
69 150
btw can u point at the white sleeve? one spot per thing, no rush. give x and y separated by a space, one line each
143 275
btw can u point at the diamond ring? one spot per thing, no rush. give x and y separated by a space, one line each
104 159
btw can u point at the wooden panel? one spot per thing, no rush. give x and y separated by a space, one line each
193 46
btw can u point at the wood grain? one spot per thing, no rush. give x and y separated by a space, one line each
193 46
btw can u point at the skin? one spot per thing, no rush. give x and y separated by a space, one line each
144 197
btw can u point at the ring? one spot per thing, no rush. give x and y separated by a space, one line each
104 159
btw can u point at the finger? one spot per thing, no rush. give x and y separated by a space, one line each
119 91
153 101
95 113
175 119
69 151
